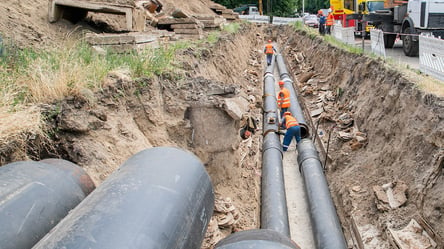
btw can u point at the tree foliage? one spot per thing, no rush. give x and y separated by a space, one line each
284 8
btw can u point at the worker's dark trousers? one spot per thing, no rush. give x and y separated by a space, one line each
283 110
269 58
295 132
328 30
321 29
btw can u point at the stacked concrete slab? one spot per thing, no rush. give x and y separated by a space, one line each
211 22
122 43
188 27
228 14
76 10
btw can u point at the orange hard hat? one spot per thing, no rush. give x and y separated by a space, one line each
281 83
287 113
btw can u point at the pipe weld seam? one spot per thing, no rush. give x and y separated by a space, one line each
305 159
268 74
268 131
273 147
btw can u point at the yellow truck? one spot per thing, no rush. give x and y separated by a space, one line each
350 13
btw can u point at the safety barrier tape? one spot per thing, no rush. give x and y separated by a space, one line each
394 33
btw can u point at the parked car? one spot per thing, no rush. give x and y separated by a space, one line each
311 21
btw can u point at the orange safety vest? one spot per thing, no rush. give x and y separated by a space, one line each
284 98
330 19
290 121
269 48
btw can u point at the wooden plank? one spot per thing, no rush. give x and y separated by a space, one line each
188 31
98 7
185 26
170 21
115 39
55 7
126 48
203 18
191 36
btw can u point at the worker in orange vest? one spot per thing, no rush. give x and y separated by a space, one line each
293 130
322 20
329 22
283 99
269 50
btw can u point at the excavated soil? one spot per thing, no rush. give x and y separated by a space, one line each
383 134
384 138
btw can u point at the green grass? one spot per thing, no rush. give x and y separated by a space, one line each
213 37
313 33
231 28
347 47
35 76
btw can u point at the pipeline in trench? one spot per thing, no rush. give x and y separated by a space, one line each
274 213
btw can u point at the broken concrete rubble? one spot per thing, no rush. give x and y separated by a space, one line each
391 195
236 107
412 236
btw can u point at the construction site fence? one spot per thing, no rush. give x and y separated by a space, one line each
275 20
377 40
346 35
284 20
431 56
255 18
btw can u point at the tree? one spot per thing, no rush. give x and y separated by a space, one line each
284 8
231 4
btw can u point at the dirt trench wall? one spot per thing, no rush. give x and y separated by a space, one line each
184 108
404 127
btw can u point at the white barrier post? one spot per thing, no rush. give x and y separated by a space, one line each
431 56
377 39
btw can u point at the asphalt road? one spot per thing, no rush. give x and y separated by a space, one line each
396 53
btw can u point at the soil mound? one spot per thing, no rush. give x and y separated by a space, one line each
382 133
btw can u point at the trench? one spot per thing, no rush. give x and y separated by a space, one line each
204 128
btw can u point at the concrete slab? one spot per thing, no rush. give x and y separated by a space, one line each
115 39
236 107
134 19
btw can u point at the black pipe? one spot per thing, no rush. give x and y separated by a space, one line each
159 198
270 68
257 239
295 107
326 227
274 213
271 121
35 196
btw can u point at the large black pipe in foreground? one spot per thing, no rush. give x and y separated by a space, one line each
35 196
274 213
159 198
326 227
295 107
257 239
